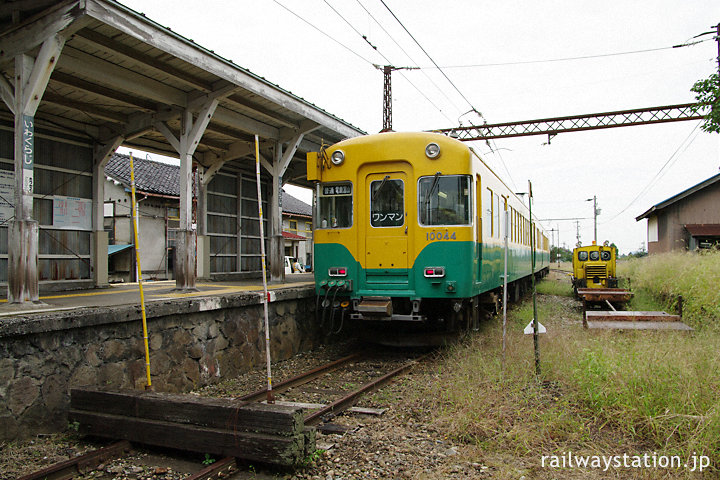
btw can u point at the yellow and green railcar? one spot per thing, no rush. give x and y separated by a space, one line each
410 232
594 267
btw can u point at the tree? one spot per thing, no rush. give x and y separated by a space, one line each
707 94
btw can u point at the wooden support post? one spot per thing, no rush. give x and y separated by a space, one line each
277 244
31 78
192 130
99 247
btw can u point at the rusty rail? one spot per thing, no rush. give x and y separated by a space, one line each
301 379
349 400
219 469
78 465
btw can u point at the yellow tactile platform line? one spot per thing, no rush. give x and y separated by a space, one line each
154 286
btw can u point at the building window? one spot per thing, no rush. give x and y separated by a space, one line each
293 225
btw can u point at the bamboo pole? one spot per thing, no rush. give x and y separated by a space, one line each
148 386
270 398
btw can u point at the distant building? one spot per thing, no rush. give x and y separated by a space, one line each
157 193
686 221
297 229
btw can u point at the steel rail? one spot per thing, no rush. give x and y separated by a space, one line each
218 469
349 400
78 465
301 379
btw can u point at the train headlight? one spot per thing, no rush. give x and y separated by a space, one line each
434 272
338 272
338 157
432 150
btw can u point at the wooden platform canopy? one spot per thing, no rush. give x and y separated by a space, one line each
98 74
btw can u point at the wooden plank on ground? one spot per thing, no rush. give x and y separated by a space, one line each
192 409
616 295
630 316
257 447
610 325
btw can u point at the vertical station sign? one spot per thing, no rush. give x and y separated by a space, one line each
28 153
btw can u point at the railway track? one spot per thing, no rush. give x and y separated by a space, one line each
324 392
338 381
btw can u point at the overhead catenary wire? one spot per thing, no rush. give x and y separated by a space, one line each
365 38
563 59
412 60
670 161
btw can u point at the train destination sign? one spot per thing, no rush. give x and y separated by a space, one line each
344 189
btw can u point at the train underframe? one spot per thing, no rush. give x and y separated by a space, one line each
402 321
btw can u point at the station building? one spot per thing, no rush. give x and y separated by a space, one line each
689 220
82 78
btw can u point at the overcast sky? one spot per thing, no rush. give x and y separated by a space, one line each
616 164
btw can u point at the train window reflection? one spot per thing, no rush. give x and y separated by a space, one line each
334 205
582 256
444 200
387 202
594 255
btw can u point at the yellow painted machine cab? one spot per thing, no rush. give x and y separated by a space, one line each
594 267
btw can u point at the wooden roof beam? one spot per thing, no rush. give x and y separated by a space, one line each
99 90
120 78
146 60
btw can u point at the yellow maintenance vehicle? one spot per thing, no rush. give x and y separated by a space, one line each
594 267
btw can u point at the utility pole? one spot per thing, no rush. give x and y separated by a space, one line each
387 93
596 212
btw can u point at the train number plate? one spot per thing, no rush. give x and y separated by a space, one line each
446 235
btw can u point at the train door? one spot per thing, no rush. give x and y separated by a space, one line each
478 228
386 226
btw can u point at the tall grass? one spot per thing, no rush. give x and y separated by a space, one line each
600 392
695 276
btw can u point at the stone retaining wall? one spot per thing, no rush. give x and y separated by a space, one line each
193 342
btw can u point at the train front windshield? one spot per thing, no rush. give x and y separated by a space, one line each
335 205
444 200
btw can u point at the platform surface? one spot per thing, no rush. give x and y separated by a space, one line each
120 294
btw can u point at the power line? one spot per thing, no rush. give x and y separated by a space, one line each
326 34
565 59
364 37
431 59
673 158
415 63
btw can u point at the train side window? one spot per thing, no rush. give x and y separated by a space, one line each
387 202
335 205
444 200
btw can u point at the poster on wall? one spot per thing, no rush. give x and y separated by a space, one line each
71 212
7 196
